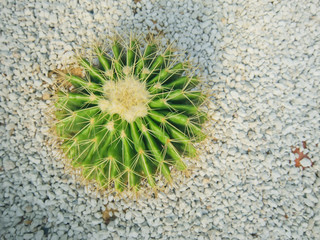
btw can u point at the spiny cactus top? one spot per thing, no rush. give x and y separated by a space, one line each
131 117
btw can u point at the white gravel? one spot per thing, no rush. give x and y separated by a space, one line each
261 62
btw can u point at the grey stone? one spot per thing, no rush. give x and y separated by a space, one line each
8 165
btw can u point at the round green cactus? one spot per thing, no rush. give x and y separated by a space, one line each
132 117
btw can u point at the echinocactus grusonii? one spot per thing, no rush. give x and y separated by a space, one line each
132 117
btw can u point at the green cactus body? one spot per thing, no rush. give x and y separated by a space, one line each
132 117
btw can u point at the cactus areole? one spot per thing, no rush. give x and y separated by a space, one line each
132 117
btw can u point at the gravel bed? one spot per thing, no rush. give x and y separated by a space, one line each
260 61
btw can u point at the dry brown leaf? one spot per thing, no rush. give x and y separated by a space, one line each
106 215
301 155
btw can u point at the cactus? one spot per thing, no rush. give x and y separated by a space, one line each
132 117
